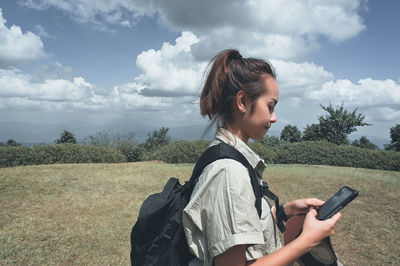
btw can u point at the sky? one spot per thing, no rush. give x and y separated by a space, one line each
142 62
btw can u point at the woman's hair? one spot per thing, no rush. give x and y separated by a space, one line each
230 73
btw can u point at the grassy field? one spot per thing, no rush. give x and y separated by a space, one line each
83 214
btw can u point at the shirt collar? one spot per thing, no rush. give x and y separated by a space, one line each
223 135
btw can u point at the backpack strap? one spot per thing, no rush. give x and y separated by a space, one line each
279 212
226 151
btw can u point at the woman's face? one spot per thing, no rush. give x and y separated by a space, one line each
256 122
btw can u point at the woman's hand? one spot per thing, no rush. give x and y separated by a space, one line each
314 230
301 206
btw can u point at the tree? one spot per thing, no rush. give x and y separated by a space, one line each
156 139
66 137
107 138
290 133
395 136
270 141
335 126
339 123
312 133
12 142
364 143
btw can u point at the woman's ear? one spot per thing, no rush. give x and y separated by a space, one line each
242 101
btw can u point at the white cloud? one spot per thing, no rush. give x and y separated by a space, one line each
40 31
364 92
98 12
282 31
171 70
17 47
379 99
128 97
285 29
295 79
15 84
18 90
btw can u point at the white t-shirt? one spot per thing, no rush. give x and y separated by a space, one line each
221 213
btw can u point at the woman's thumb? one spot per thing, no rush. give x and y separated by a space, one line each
335 218
312 212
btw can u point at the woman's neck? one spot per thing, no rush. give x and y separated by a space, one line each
237 132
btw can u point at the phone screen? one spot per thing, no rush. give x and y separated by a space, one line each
337 202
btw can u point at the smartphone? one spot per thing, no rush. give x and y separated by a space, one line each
337 202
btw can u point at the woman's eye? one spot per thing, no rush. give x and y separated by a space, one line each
271 108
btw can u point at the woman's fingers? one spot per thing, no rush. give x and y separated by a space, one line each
314 202
335 218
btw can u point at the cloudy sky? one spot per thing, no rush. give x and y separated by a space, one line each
142 61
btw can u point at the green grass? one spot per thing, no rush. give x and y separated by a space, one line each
83 213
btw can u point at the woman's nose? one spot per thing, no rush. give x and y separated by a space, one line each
273 118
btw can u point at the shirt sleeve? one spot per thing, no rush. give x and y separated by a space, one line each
228 214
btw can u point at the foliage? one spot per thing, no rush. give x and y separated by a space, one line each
66 137
270 141
182 151
395 136
125 143
132 151
12 142
364 143
335 126
265 152
312 133
107 138
156 139
2 144
58 153
325 153
290 133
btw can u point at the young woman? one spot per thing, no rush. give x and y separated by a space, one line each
221 223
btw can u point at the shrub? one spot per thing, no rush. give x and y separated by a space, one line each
157 139
324 153
132 151
15 155
291 133
190 151
179 152
270 141
266 153
58 153
364 143
66 137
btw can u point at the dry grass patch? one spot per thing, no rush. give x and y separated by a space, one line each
83 213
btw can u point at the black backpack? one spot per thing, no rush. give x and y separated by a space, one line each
158 238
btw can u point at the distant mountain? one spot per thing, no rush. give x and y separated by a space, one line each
31 134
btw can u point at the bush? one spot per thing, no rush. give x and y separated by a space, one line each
324 153
15 155
266 153
58 153
132 151
190 151
156 139
179 152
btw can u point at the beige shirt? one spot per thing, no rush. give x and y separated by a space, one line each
221 212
